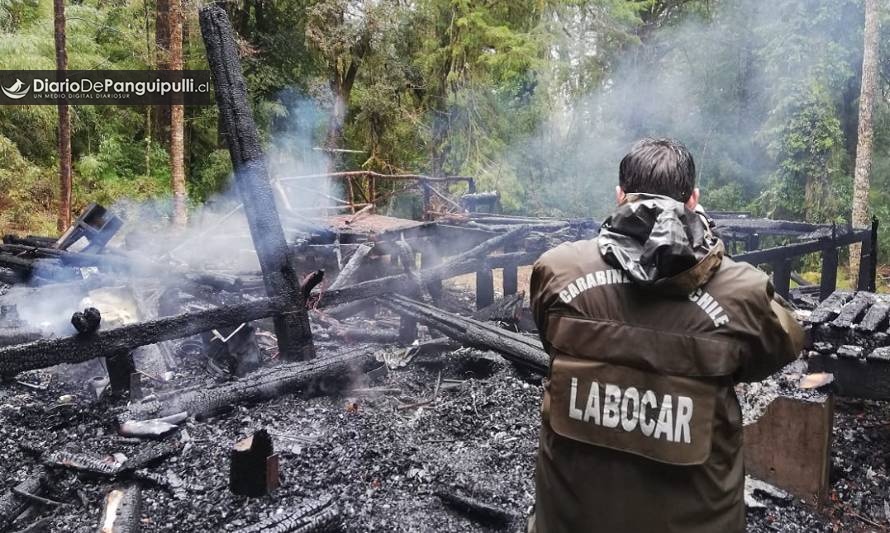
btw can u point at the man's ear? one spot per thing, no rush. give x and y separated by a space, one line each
620 195
692 202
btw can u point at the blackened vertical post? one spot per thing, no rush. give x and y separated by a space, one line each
429 257
868 259
828 279
252 177
828 283
427 197
782 277
484 287
511 274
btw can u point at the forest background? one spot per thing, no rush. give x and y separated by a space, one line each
538 99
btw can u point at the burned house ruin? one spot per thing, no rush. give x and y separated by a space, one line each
344 384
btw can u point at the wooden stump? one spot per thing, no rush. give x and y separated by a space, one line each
254 466
120 367
790 446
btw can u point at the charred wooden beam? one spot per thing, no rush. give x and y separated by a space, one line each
260 386
149 454
29 240
468 261
875 318
829 308
312 515
379 336
120 367
477 510
76 349
348 274
248 161
12 504
484 287
853 310
514 347
123 510
506 309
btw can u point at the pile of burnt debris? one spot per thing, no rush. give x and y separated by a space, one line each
303 373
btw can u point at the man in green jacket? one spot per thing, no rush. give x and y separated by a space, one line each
649 327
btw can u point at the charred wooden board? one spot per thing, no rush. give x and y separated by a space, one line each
122 511
313 515
514 347
853 310
12 505
876 318
479 511
830 308
856 376
259 386
76 349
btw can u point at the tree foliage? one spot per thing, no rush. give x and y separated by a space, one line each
537 98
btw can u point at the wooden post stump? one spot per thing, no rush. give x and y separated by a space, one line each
254 466
790 446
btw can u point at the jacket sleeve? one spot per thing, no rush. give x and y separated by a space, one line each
777 341
541 298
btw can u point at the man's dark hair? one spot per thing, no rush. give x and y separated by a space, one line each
658 166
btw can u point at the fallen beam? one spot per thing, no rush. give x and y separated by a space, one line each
292 329
79 348
468 261
514 347
484 513
260 386
348 274
313 515
12 505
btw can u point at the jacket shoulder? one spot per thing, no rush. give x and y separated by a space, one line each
738 280
569 255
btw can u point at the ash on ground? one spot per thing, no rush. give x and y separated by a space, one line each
463 422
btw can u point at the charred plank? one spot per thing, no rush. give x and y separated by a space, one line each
252 177
853 310
260 386
479 511
253 466
348 274
76 349
12 504
830 308
311 515
875 318
123 510
514 347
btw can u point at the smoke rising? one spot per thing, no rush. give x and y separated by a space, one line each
723 82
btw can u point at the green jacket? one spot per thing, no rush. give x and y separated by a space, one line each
648 328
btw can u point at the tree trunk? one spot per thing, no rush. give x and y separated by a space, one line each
335 127
177 121
64 215
866 129
162 60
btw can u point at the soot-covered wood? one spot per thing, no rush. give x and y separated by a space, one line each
259 386
514 347
248 161
76 349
